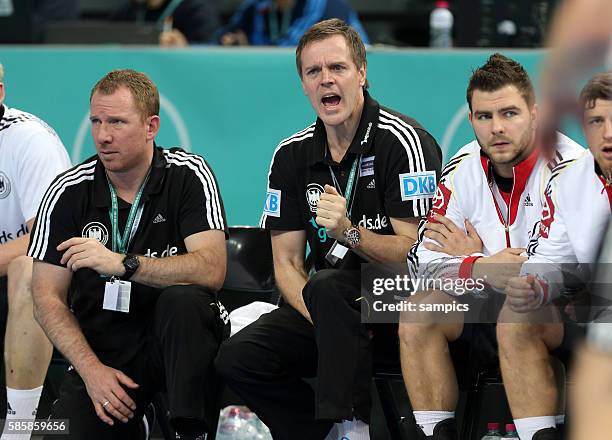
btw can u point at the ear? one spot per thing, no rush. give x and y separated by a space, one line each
153 123
362 72
1 92
470 117
303 86
535 111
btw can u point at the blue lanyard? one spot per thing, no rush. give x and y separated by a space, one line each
121 242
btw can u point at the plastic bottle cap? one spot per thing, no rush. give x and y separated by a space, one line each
491 426
510 427
442 4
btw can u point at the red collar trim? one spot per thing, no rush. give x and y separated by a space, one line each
607 188
521 171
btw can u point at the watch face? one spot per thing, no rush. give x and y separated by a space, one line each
131 263
352 236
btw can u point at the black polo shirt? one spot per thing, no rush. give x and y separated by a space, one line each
181 198
396 177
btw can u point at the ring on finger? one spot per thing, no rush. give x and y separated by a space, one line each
106 402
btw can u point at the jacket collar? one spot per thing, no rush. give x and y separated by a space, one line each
521 172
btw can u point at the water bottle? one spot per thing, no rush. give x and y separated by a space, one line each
510 432
492 432
240 423
6 8
441 26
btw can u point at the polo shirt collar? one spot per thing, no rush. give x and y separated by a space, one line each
362 141
101 193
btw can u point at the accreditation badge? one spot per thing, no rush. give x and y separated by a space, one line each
117 295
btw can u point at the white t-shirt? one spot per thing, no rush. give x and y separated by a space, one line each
31 155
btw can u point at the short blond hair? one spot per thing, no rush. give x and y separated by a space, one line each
143 90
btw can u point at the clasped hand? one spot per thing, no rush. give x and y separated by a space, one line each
89 253
331 213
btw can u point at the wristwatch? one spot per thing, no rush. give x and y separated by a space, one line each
352 236
131 263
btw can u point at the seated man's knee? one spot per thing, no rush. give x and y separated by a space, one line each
415 333
20 268
232 360
183 297
512 336
19 273
321 285
514 329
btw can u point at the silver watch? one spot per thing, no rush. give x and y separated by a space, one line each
352 236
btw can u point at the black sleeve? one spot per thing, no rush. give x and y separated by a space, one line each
282 209
201 205
412 168
55 220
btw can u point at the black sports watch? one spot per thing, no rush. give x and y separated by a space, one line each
131 263
352 236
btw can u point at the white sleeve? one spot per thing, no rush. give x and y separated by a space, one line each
424 263
551 256
41 157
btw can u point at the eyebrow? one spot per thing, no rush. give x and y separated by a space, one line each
593 116
512 107
501 110
331 63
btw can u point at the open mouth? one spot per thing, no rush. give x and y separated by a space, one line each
331 100
607 151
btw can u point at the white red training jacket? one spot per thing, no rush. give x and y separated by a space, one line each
466 190
577 207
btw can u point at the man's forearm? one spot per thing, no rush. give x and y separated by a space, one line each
383 248
64 332
291 281
204 268
11 250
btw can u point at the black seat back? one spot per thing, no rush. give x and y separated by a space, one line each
250 269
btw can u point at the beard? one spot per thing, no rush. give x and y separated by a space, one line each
522 148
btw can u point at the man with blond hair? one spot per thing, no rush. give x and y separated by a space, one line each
140 233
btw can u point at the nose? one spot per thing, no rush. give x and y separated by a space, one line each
496 125
326 76
103 134
608 129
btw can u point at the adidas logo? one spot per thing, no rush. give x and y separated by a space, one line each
159 219
528 201
372 184
10 410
